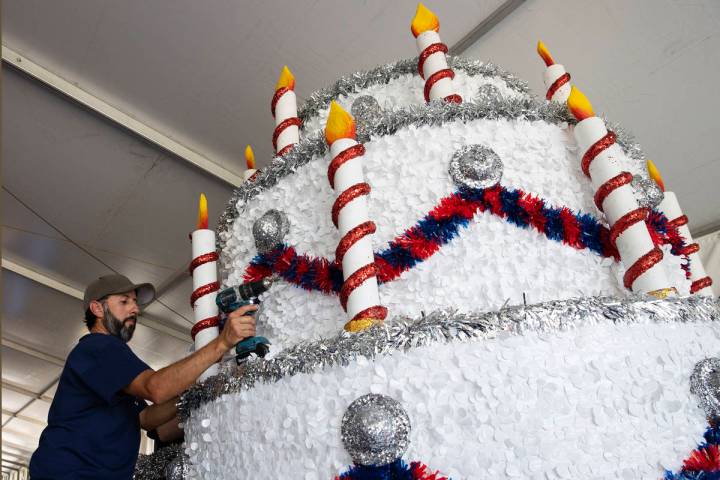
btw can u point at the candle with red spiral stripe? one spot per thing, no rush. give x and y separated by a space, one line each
615 198
284 111
203 269
359 293
701 282
556 79
432 63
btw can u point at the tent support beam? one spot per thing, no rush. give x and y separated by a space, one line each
98 105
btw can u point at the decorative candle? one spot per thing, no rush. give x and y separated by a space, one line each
670 206
614 196
250 162
359 293
205 285
284 111
556 79
432 63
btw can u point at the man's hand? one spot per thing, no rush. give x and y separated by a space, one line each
238 325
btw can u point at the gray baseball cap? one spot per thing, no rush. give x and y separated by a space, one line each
116 284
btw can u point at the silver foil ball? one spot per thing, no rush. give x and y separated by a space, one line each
375 430
177 469
476 166
705 384
647 192
368 114
488 93
270 230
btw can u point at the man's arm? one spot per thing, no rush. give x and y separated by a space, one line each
170 431
168 382
153 416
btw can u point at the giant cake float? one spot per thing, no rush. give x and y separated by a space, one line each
470 279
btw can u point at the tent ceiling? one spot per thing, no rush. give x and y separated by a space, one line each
204 72
82 196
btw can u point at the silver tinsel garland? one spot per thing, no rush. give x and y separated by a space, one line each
433 113
152 467
402 333
383 74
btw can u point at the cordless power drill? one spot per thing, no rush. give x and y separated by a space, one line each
231 299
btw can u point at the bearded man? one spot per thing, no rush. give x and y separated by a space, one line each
94 421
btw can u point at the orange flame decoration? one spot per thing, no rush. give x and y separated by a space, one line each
286 80
202 220
545 54
249 157
340 124
655 175
424 20
579 105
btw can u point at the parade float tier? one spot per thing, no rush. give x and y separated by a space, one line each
588 388
399 85
535 235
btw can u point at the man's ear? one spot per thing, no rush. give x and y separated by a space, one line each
97 309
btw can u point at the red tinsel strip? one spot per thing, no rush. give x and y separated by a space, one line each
203 259
690 249
434 48
378 312
203 324
417 244
491 196
705 459
355 280
700 283
454 205
352 237
571 229
202 291
285 260
562 80
434 78
284 150
322 276
627 221
288 122
276 98
454 98
678 222
642 265
595 150
534 208
346 197
342 157
421 471
608 187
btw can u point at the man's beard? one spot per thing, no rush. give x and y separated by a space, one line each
122 329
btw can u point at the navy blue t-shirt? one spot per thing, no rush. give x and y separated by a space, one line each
93 427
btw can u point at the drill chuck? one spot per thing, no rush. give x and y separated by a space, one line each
234 297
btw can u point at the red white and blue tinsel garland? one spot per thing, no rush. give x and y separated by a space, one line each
398 470
418 243
704 462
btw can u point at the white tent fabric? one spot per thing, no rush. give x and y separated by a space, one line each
710 256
